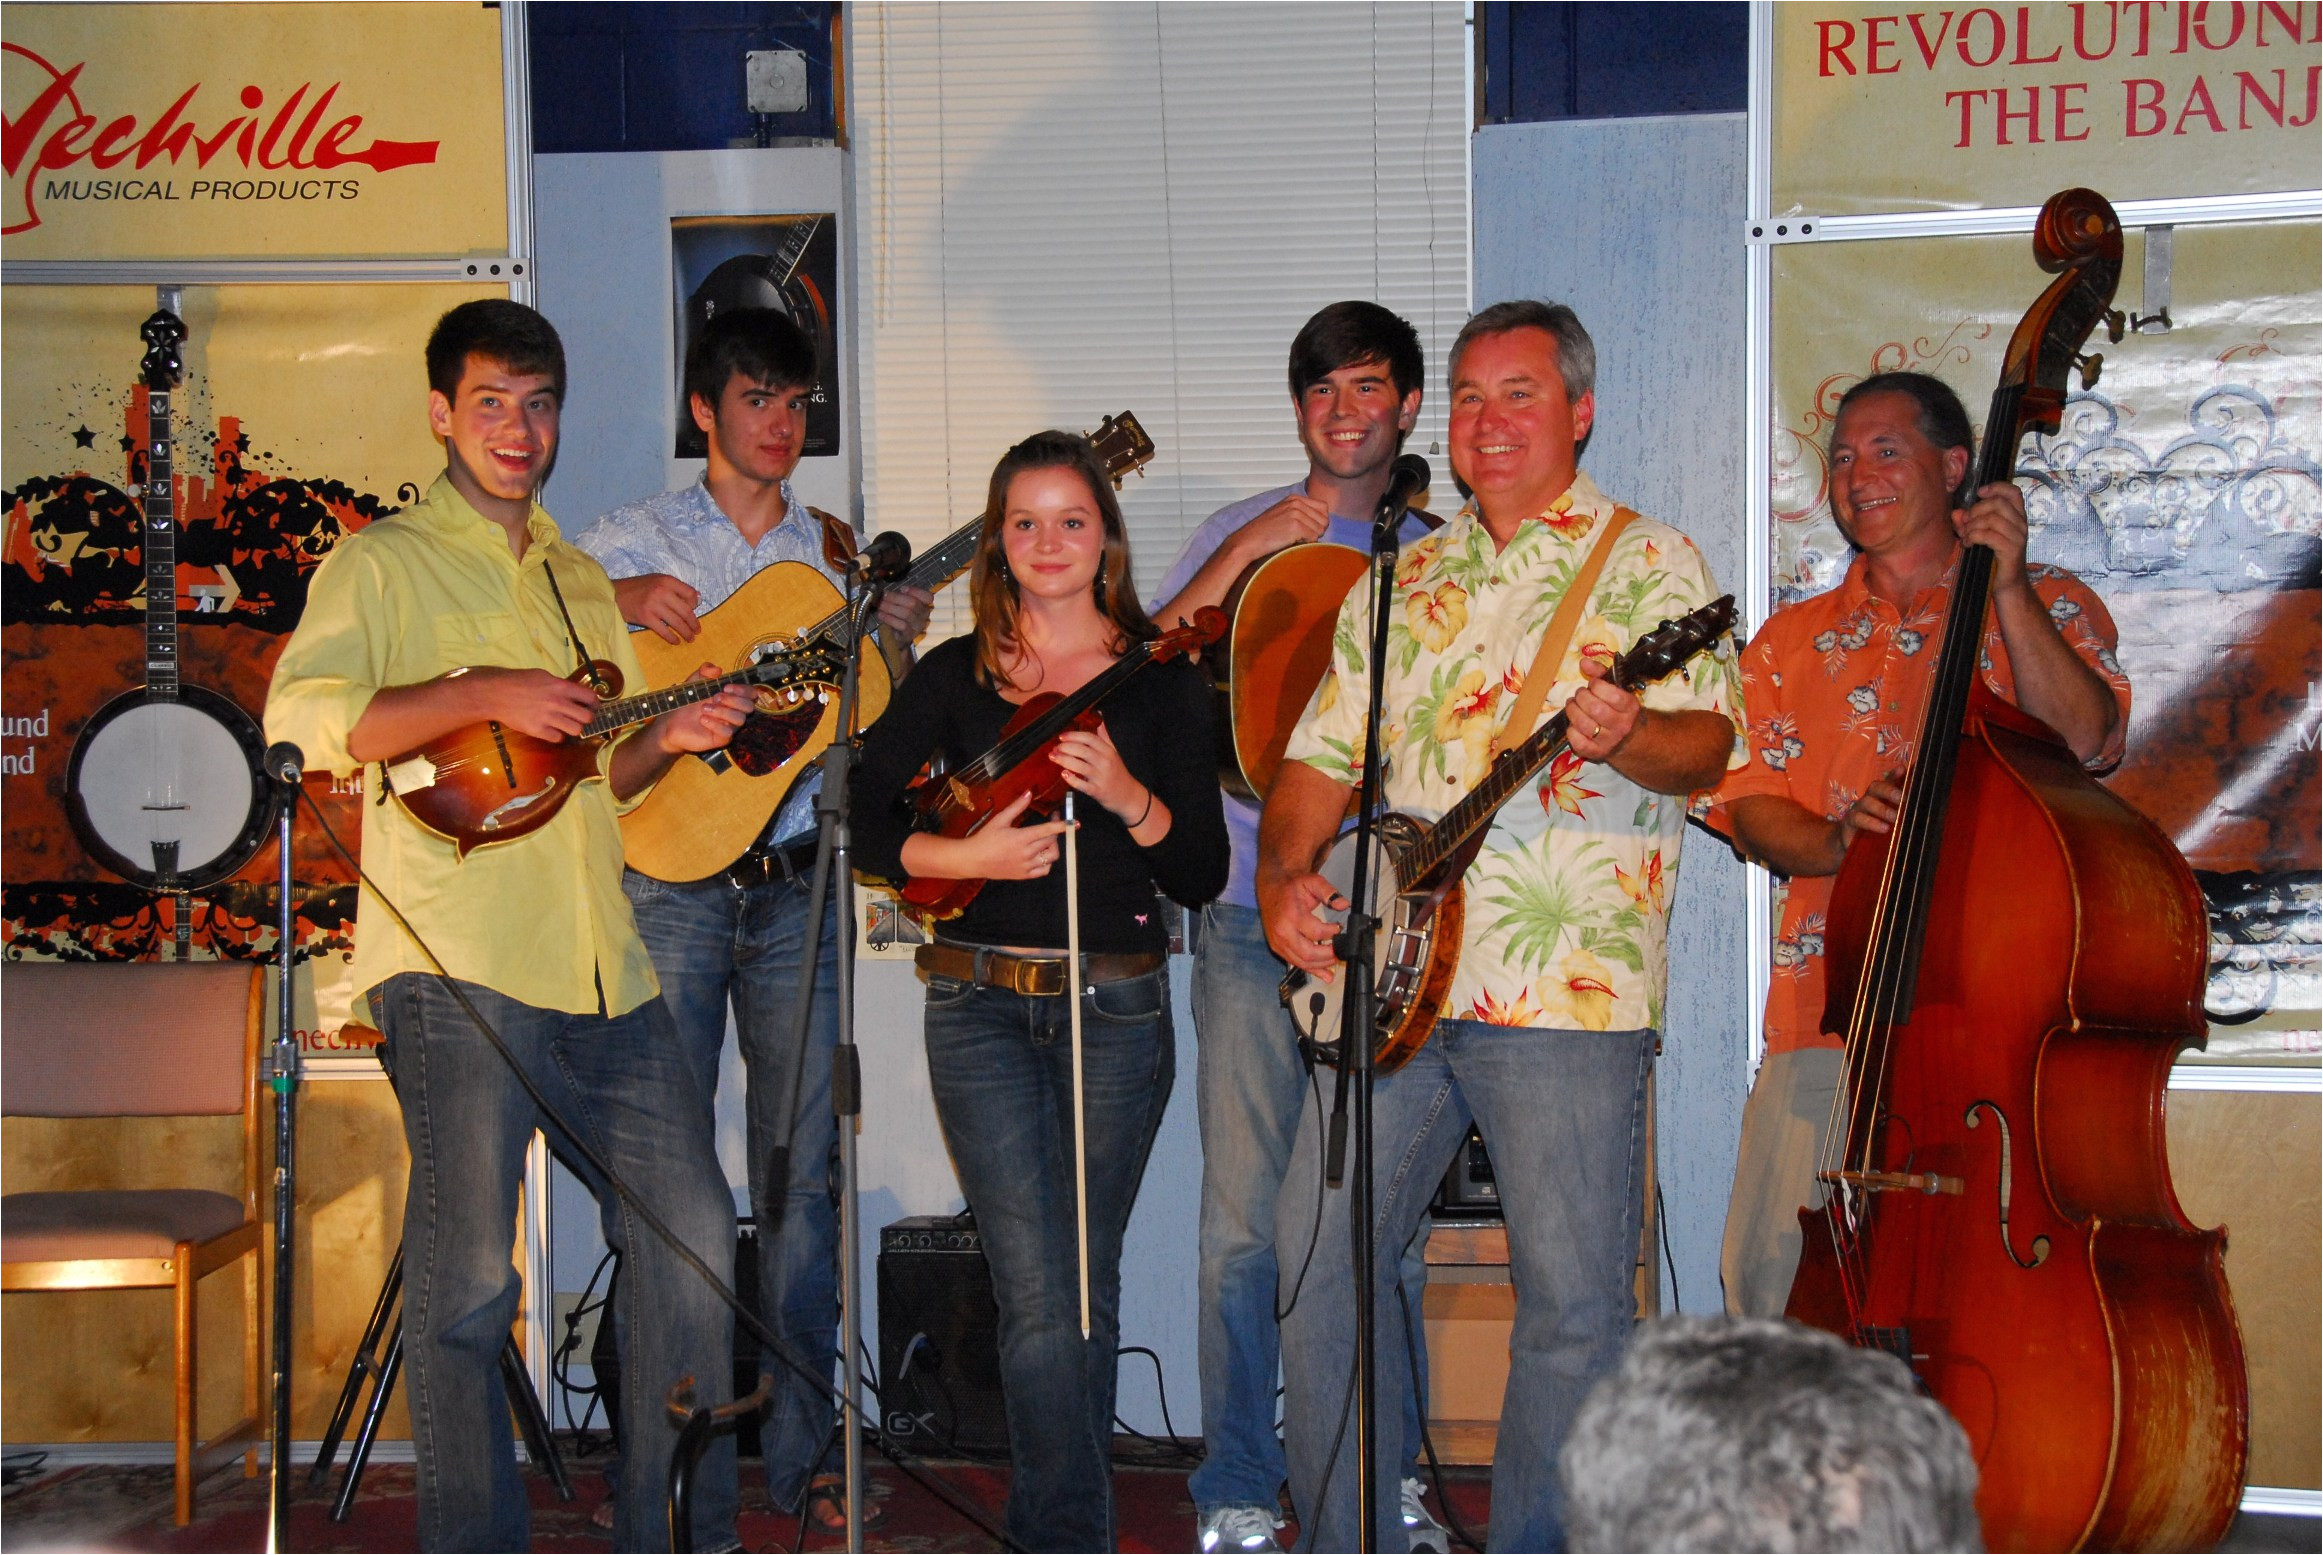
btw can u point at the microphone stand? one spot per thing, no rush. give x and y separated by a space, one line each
1359 1027
284 1079
831 862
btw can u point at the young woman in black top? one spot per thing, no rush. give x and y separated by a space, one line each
1054 607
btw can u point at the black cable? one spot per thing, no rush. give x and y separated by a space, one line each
17 1467
561 1361
1662 1224
1411 1350
1314 1232
1346 1398
1172 1447
770 1342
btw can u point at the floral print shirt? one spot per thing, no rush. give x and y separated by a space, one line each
1568 901
1835 687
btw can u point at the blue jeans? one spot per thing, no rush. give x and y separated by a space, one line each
618 1080
1250 1088
1000 1067
712 943
1564 1115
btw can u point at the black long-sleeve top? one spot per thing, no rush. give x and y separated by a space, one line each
1161 722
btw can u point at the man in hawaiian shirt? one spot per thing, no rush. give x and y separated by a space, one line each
1549 1029
1835 687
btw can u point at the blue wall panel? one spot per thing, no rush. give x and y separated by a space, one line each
1612 61
1638 225
628 77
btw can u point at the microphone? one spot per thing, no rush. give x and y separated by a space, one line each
1411 477
885 559
284 762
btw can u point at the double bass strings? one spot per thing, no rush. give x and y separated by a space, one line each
1906 883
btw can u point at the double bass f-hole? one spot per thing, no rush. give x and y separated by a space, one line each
2007 1183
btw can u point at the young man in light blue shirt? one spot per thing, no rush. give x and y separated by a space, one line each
740 935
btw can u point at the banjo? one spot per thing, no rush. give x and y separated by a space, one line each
165 787
1417 867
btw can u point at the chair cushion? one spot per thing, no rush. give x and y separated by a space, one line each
122 1223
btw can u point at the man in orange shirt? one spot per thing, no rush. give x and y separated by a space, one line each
1834 689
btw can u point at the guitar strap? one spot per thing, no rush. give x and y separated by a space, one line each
1543 674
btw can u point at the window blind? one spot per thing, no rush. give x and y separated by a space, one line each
1063 211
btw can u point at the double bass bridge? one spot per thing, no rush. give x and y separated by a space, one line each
1895 1182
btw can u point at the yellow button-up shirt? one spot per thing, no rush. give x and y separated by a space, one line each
540 918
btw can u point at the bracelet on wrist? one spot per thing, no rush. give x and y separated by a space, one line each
1144 813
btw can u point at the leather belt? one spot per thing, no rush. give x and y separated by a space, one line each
1038 976
789 861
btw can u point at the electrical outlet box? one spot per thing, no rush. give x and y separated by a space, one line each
775 80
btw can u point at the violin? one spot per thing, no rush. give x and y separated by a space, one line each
959 804
2013 970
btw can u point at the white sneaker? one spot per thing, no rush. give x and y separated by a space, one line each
1424 1531
1247 1528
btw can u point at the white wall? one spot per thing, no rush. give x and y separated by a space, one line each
1637 223
604 280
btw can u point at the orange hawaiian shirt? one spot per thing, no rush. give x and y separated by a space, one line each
1833 688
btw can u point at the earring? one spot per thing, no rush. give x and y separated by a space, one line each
1099 590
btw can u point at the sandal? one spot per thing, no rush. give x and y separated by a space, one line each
825 1505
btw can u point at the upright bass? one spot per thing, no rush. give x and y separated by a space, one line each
2013 969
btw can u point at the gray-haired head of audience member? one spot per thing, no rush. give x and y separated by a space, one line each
1742 1434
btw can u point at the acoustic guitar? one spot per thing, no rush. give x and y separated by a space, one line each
705 814
485 782
1417 866
1280 615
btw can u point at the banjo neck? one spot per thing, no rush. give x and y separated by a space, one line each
160 549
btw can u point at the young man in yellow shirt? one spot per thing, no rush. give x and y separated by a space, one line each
467 607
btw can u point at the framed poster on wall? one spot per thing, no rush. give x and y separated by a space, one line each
786 263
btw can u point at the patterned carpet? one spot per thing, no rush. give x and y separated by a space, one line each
127 1507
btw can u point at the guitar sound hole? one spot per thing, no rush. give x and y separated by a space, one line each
767 740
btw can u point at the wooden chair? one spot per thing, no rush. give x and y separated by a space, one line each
114 1039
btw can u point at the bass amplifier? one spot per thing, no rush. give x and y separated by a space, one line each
939 1340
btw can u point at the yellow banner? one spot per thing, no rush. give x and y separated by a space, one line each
252 132
1882 109
302 417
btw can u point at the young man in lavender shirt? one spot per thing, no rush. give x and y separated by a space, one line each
1355 377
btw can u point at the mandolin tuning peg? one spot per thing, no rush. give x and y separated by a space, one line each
2090 365
2115 322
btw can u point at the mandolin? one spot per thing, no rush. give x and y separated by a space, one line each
958 804
486 783
703 815
1418 866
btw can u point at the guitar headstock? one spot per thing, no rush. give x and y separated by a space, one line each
812 661
1667 646
162 368
1208 625
1122 446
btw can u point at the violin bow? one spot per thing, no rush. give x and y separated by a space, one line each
1073 989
